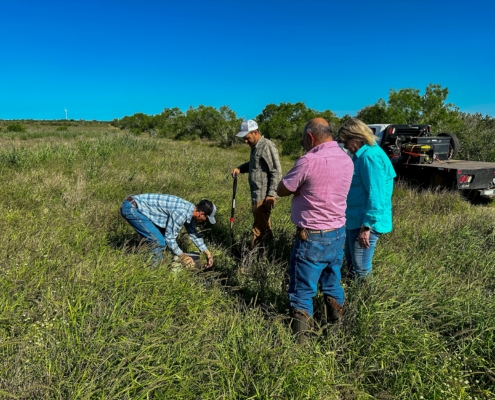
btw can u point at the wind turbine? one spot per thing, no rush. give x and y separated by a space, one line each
66 114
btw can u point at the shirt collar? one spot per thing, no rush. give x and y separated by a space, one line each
190 214
363 148
262 138
331 143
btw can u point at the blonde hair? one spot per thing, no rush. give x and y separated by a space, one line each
356 129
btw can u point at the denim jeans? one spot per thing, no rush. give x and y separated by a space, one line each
359 260
153 234
317 259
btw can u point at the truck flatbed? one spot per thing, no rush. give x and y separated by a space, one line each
412 148
456 164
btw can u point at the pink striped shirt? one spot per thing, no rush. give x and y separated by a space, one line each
323 178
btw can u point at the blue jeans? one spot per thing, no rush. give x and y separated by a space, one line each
317 259
153 234
359 260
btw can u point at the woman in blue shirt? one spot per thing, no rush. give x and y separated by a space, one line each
369 202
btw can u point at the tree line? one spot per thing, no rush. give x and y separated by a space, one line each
284 122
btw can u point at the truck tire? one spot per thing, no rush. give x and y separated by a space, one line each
474 197
454 144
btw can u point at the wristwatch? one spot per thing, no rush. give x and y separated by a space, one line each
365 227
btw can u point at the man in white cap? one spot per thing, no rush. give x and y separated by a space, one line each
158 218
265 173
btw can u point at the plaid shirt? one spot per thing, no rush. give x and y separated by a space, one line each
264 170
171 213
323 177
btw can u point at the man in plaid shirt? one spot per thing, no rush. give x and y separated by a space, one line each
160 217
264 175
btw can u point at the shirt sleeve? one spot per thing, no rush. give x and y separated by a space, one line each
174 225
195 236
296 177
373 175
274 170
244 168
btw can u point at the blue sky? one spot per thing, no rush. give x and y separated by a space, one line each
108 59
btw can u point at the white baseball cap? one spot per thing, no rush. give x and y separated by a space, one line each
247 126
211 217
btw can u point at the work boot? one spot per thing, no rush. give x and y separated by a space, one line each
301 324
334 310
261 239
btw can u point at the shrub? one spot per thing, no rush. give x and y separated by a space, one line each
16 127
292 146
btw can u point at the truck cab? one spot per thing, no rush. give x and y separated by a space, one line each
378 131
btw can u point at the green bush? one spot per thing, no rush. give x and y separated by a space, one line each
292 146
16 127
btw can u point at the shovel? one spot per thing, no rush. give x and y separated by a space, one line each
232 211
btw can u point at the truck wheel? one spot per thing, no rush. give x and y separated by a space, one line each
454 144
474 197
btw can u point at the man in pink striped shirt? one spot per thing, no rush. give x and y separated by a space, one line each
319 181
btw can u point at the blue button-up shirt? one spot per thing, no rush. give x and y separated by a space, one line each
370 198
170 212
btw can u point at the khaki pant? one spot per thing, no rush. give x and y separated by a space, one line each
262 227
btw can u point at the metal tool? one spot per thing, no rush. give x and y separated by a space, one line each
232 211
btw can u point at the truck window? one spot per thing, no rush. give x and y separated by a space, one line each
377 133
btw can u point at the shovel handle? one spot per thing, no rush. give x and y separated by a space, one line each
232 210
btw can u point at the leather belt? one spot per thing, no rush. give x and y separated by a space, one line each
132 201
302 233
320 231
315 230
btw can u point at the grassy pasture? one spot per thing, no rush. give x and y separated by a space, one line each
83 316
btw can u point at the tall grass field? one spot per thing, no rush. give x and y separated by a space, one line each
83 315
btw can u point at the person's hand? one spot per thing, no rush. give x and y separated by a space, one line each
209 259
364 238
235 172
269 203
186 260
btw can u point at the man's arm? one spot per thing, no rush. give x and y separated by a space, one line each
295 178
243 168
199 242
195 236
272 161
282 191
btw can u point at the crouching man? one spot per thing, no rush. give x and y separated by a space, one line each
319 181
158 218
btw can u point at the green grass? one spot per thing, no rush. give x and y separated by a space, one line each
84 316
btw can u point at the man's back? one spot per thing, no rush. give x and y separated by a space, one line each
264 170
322 177
160 207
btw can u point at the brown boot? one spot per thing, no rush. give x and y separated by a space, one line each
262 240
334 310
302 325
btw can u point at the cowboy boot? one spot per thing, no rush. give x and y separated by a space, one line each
301 324
334 310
